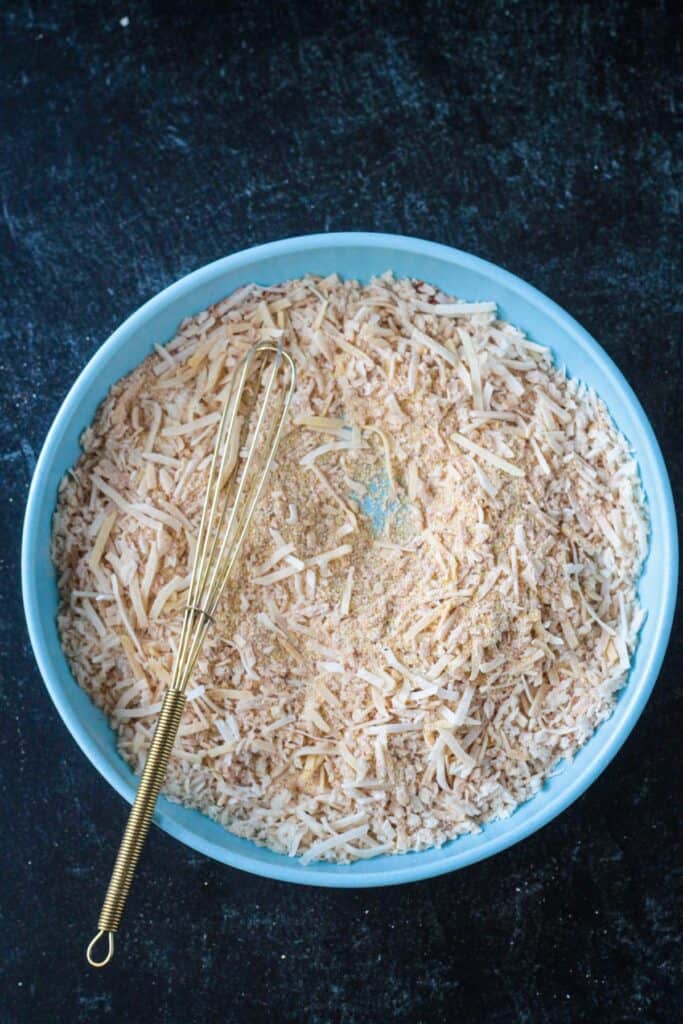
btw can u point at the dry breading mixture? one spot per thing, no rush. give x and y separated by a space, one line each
436 602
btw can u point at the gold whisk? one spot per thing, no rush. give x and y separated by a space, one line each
232 495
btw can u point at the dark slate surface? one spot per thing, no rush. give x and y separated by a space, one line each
536 135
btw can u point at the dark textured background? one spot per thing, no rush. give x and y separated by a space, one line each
537 135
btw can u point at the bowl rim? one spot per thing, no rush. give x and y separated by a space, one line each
404 869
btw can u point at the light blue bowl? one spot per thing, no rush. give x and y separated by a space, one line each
356 255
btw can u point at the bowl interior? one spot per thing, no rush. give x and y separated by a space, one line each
359 256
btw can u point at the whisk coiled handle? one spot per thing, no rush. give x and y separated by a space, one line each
139 821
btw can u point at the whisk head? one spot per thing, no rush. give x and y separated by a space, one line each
247 439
